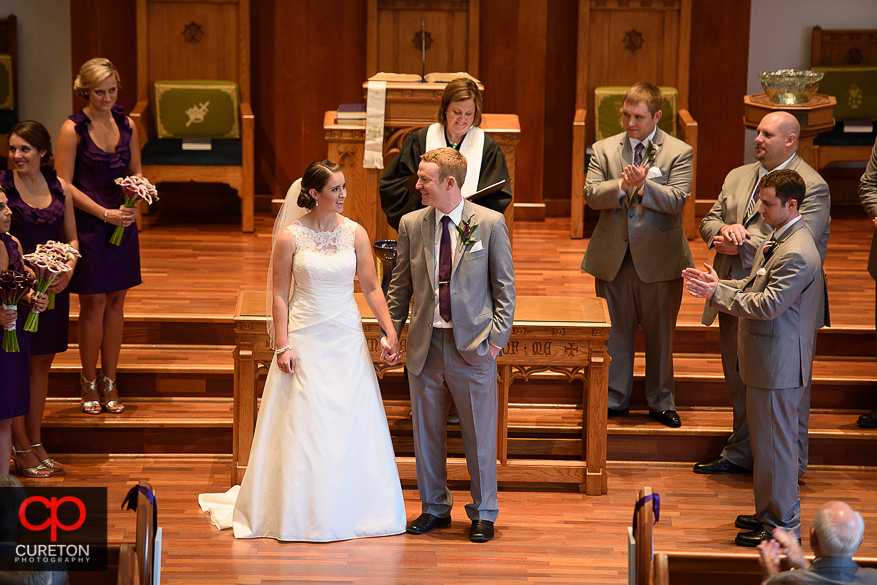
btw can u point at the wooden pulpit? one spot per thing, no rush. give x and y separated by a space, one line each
409 106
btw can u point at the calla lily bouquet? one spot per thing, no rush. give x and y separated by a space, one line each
13 286
48 261
136 189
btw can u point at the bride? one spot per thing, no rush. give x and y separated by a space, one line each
322 466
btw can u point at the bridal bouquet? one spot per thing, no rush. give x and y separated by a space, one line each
48 261
136 189
13 286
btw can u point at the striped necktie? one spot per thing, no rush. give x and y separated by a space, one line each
752 201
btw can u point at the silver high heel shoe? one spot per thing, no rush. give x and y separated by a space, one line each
86 388
105 385
48 462
39 472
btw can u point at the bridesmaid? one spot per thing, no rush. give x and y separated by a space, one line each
14 383
42 210
94 149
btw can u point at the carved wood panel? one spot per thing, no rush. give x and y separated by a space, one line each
394 36
193 40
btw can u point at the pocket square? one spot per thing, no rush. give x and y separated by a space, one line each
476 246
653 172
761 272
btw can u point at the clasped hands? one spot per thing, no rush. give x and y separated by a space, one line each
634 176
391 351
770 552
729 237
699 283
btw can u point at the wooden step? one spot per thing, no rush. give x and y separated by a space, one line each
172 329
204 425
543 431
149 370
153 425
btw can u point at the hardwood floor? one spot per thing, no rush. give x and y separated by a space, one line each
542 536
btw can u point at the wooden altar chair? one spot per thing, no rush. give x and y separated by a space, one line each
8 81
205 40
849 60
620 46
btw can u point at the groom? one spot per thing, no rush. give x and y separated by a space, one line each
455 258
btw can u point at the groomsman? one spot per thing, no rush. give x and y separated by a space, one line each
868 197
455 259
735 229
639 180
779 306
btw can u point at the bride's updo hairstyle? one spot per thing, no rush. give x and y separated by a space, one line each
316 176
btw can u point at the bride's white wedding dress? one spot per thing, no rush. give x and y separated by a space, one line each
322 466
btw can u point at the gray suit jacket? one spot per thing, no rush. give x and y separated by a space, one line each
828 571
778 305
868 197
482 286
730 208
652 223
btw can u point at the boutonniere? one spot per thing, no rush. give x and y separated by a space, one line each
465 229
651 153
769 247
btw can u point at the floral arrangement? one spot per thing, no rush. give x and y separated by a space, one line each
136 189
466 232
13 286
48 261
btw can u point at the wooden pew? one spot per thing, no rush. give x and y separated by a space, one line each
731 568
696 567
128 563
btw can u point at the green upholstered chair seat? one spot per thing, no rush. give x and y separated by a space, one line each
197 107
7 121
170 152
607 110
837 137
854 87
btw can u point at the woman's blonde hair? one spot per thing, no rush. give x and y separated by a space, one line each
92 73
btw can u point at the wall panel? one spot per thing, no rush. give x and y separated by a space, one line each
308 56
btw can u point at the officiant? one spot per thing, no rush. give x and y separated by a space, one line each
459 118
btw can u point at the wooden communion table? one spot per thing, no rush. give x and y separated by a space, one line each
559 334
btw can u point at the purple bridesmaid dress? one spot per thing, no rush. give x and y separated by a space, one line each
37 226
103 268
15 367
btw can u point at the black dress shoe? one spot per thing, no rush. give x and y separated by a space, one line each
752 538
868 421
481 531
748 522
667 418
427 523
618 411
720 465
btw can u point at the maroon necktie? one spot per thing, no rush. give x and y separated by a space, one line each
444 273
